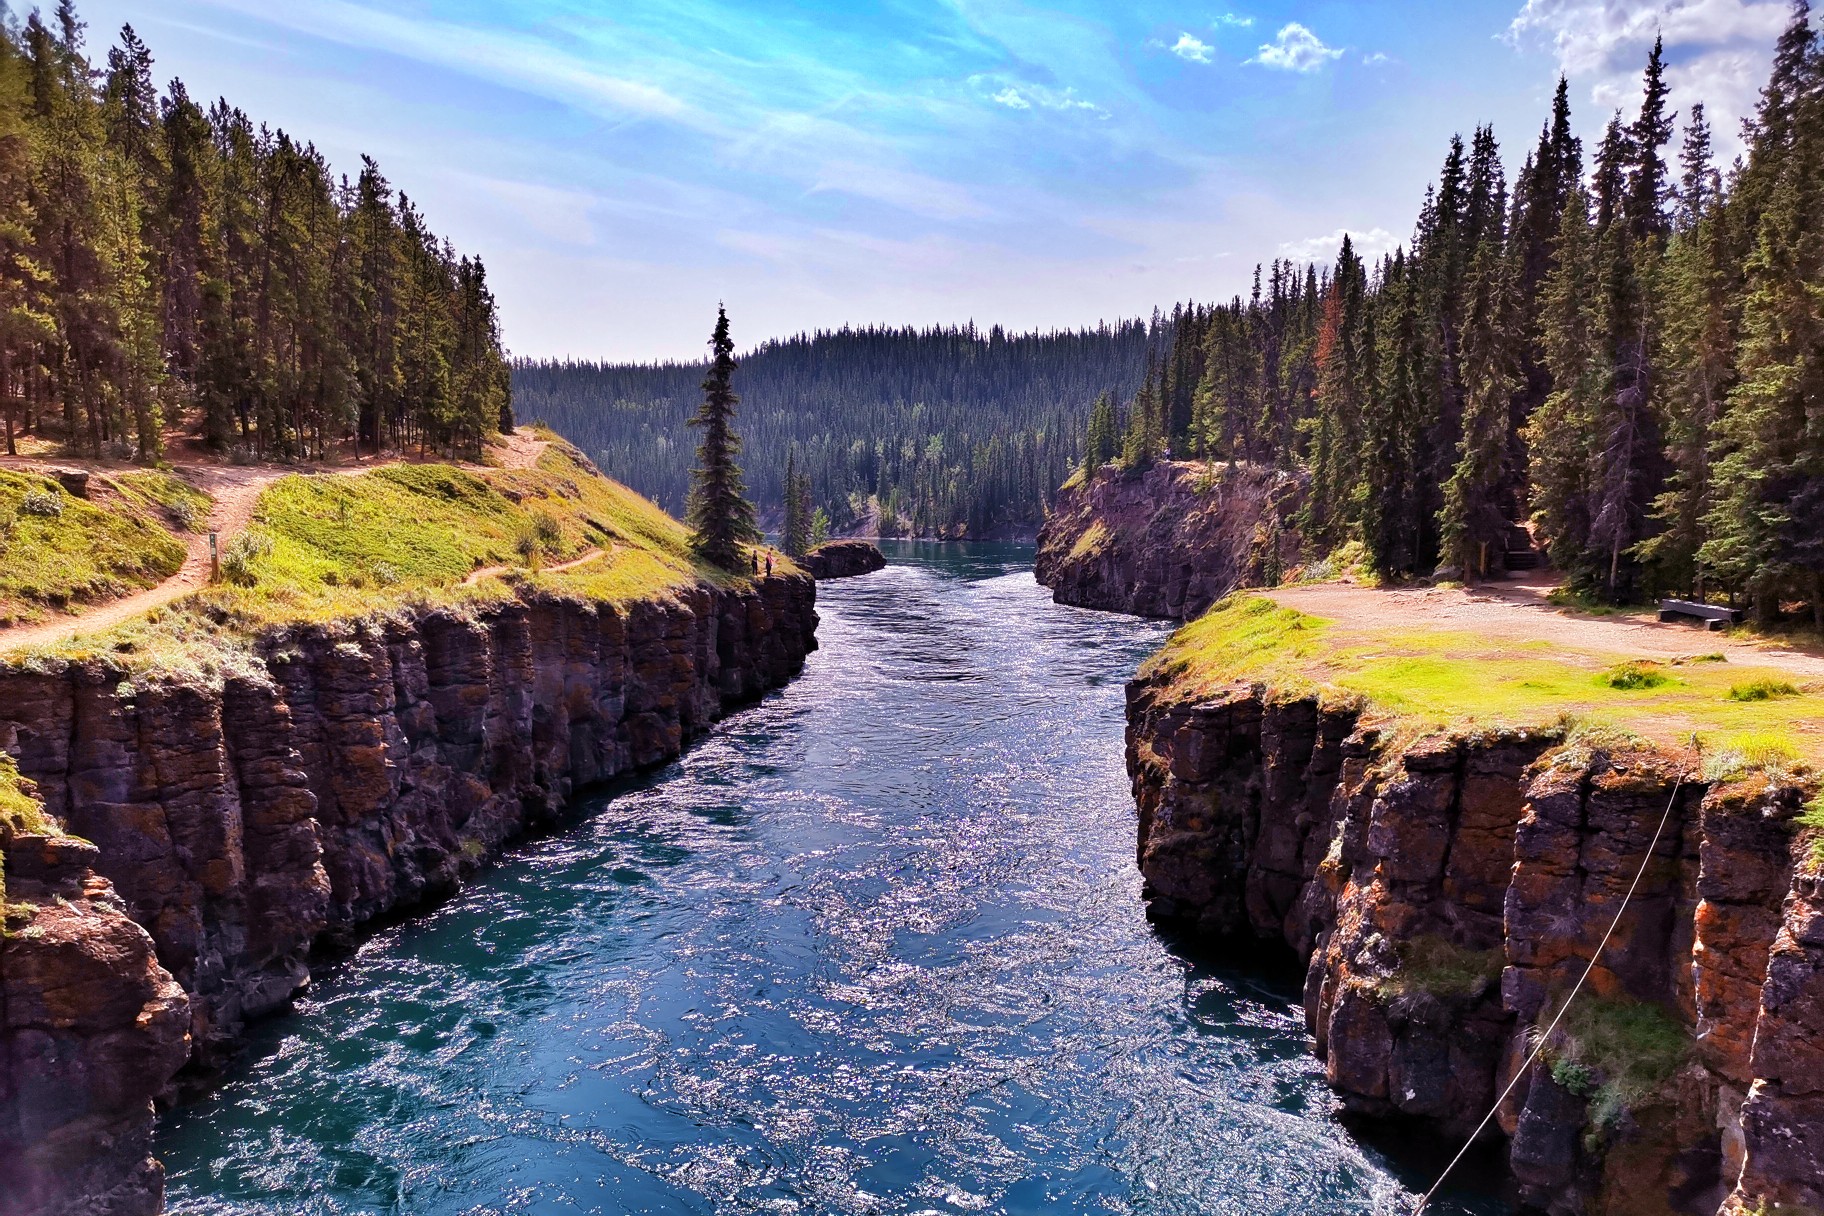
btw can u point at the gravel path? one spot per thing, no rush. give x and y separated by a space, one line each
1520 612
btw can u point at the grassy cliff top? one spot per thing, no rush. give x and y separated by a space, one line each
1421 679
57 550
340 546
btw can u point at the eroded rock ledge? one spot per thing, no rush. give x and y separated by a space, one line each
1168 541
237 821
843 559
1446 891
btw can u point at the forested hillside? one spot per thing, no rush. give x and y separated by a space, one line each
936 430
1625 350
169 261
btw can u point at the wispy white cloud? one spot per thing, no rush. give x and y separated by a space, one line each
1194 49
1295 49
1233 20
495 55
1378 59
1025 95
1369 245
1717 50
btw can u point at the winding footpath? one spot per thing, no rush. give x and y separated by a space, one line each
236 491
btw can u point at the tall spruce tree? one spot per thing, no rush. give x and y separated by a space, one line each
720 516
1475 518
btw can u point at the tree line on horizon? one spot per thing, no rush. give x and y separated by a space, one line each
163 262
924 432
1625 351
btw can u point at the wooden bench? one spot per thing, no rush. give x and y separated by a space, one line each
1713 616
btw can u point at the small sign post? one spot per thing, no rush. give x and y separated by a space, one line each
215 561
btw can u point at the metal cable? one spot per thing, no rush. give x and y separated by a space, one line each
1545 1038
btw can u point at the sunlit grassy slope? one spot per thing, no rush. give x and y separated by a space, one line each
324 547
1426 679
60 551
328 543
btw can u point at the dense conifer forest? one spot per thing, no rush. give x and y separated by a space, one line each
1621 348
923 431
166 261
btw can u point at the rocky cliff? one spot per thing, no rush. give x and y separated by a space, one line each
232 821
843 559
1168 541
1445 890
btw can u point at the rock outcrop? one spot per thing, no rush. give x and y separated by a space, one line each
91 1029
1445 892
337 774
1168 541
843 559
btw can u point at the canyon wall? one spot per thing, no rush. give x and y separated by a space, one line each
843 559
1446 892
1167 541
220 827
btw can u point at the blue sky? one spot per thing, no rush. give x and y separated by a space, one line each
622 165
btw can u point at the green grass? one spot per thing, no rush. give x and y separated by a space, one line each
1762 690
1617 1053
183 505
1426 680
57 550
1095 538
1433 965
1813 819
20 812
325 544
333 547
1633 675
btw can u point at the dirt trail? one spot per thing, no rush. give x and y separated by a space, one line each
1520 612
235 489
495 571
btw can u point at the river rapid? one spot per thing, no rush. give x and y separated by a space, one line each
876 946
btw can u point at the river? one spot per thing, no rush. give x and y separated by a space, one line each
877 946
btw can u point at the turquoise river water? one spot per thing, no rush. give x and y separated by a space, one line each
877 946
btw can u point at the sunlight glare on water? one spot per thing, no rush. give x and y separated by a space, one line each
877 946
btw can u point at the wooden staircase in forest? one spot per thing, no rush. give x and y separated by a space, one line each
1522 553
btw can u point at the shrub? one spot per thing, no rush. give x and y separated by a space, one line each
243 552
1617 1053
1762 690
549 532
47 503
1433 965
1632 677
1814 818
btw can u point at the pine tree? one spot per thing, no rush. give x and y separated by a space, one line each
1699 286
1766 522
1647 177
1560 443
1474 521
795 535
1391 527
720 516
25 325
1103 442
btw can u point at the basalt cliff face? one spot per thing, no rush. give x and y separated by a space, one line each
843 559
1447 891
221 828
1168 541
